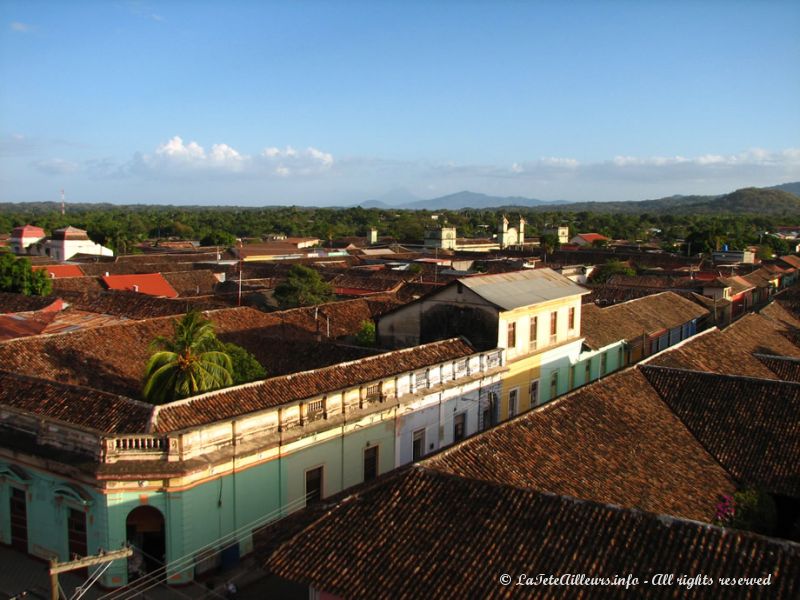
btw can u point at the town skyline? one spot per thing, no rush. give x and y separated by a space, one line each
309 104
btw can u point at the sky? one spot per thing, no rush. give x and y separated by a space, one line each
319 103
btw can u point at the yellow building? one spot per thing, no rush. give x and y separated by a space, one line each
535 315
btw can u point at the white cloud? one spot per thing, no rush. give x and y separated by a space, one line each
175 148
21 27
175 157
56 166
517 168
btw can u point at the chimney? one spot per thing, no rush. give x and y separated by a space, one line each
135 288
372 237
106 274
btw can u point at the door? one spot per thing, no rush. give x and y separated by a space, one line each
19 520
76 533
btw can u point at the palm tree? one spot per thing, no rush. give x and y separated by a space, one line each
188 364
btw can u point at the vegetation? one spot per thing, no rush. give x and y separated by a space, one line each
303 287
187 364
366 335
749 509
737 219
603 273
17 276
245 366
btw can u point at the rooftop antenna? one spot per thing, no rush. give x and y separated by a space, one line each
63 210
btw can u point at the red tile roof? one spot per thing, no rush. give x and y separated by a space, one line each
613 441
57 271
635 318
731 350
152 284
418 533
80 406
592 237
253 397
28 231
751 426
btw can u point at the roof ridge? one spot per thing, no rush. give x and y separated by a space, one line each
765 380
290 376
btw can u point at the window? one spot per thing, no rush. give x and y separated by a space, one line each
588 376
534 392
313 485
553 327
315 410
370 463
621 358
418 445
374 392
512 403
572 318
459 427
487 418
512 335
554 385
603 364
534 332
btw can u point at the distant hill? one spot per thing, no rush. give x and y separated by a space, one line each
792 188
768 201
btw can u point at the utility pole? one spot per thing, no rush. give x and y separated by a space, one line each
87 561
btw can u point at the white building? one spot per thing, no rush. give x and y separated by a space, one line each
22 238
66 243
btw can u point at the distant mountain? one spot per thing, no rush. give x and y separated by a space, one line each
792 188
393 199
768 201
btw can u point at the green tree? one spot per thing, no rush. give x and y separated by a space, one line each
17 276
187 364
245 366
603 273
366 335
303 287
755 511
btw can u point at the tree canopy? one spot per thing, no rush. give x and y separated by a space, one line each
17 276
303 287
187 364
603 273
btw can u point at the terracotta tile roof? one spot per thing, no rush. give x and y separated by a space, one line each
108 358
791 260
198 282
81 406
613 441
751 426
632 319
592 237
253 397
656 282
83 285
607 295
152 284
58 271
27 231
48 322
70 233
423 534
11 303
786 368
24 324
737 284
141 306
731 350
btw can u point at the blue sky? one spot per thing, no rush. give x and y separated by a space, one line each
257 103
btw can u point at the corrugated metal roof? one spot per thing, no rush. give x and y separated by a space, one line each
522 288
